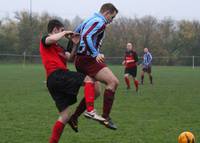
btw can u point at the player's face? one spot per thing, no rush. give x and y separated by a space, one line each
111 16
61 29
58 29
129 47
145 50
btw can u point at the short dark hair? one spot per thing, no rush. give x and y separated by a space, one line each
108 7
54 23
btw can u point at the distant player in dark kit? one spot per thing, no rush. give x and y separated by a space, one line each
63 85
91 62
130 63
146 66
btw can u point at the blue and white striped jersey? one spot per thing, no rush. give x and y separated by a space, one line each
147 59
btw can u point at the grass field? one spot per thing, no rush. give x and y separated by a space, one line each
158 114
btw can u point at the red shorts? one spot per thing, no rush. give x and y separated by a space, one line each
88 65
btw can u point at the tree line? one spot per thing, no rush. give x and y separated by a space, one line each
164 38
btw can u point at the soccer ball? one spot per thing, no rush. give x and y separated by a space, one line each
186 137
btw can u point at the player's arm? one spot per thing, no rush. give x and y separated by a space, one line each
72 47
55 37
124 61
136 58
150 57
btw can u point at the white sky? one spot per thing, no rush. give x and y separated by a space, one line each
176 9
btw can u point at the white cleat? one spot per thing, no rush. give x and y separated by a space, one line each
93 115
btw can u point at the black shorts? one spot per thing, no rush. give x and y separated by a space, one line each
147 69
131 71
64 86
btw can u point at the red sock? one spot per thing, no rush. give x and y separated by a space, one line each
107 102
127 82
136 83
56 132
89 92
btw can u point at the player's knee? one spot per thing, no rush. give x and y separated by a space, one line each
89 79
64 118
115 82
126 75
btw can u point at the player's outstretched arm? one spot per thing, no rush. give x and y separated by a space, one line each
55 37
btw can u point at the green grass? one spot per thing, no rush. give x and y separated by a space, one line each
157 114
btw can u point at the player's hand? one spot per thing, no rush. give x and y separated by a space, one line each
75 37
100 58
67 54
123 63
68 34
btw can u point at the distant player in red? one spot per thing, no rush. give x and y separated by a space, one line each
130 63
63 85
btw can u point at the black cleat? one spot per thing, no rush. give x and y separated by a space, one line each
109 124
73 122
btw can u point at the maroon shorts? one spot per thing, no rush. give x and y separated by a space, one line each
147 69
88 65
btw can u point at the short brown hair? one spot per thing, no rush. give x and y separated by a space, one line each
108 7
52 24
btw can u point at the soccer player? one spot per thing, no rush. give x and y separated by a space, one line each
91 62
63 85
130 63
146 66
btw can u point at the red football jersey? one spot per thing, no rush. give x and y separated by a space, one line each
130 59
53 57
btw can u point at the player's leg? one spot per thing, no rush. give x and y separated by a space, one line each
127 81
100 72
134 74
89 92
142 76
85 65
59 126
73 122
106 76
63 87
97 89
150 75
136 83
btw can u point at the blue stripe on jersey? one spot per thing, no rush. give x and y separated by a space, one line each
91 30
147 58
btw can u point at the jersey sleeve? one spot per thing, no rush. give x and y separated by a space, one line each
43 40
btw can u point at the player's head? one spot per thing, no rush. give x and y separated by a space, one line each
55 26
146 50
129 46
109 11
